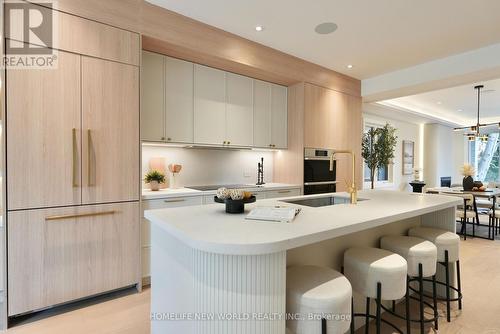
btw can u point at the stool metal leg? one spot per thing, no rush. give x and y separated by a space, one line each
447 268
352 315
459 285
408 326
367 318
421 293
323 326
434 297
393 306
379 304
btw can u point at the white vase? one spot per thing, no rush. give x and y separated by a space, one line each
173 183
154 185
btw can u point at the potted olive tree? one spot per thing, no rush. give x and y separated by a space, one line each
378 148
154 178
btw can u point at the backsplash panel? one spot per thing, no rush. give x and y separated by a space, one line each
211 166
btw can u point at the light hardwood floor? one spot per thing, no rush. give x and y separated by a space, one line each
129 314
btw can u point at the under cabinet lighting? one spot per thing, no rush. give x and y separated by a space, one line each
259 28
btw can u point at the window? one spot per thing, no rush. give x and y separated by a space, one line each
485 157
381 174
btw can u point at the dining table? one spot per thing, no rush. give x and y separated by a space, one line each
489 194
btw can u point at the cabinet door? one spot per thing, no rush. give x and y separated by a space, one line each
110 103
262 113
152 87
209 106
178 100
239 110
59 255
279 116
43 137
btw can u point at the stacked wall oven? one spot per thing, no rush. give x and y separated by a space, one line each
318 178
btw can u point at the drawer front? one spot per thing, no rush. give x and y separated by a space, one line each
173 202
59 255
283 193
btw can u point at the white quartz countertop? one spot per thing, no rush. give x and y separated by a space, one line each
182 192
208 228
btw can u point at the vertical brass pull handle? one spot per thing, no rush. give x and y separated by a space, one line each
75 158
89 156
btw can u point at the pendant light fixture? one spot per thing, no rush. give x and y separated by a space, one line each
475 130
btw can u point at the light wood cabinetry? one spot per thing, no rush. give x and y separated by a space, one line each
110 103
73 140
239 110
152 98
62 254
209 105
43 135
333 120
179 78
78 35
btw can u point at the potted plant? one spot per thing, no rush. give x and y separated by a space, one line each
154 178
468 172
378 148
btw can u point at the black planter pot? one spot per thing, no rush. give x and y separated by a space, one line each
468 183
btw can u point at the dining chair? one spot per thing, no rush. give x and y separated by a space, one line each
465 212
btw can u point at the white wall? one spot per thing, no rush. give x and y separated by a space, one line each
404 131
445 152
211 166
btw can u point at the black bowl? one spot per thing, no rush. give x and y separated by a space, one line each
235 206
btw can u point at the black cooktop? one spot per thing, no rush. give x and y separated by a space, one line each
215 187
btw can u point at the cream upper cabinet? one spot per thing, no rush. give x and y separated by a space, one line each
239 110
178 100
262 113
184 102
110 104
270 115
152 101
279 116
209 105
43 137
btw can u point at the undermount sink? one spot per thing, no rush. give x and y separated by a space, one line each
321 201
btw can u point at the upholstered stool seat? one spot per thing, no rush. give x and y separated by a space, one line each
321 292
444 241
468 214
447 244
379 274
421 256
365 267
415 251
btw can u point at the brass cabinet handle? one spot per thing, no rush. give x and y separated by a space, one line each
80 215
284 191
162 138
174 200
169 139
75 159
89 163
228 142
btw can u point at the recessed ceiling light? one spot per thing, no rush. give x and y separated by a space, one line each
439 102
325 28
349 66
460 110
259 28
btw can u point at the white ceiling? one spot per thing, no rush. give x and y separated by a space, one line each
457 105
375 36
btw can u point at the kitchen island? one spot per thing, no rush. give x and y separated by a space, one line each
213 272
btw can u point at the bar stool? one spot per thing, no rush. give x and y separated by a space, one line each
376 273
421 256
320 297
447 244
